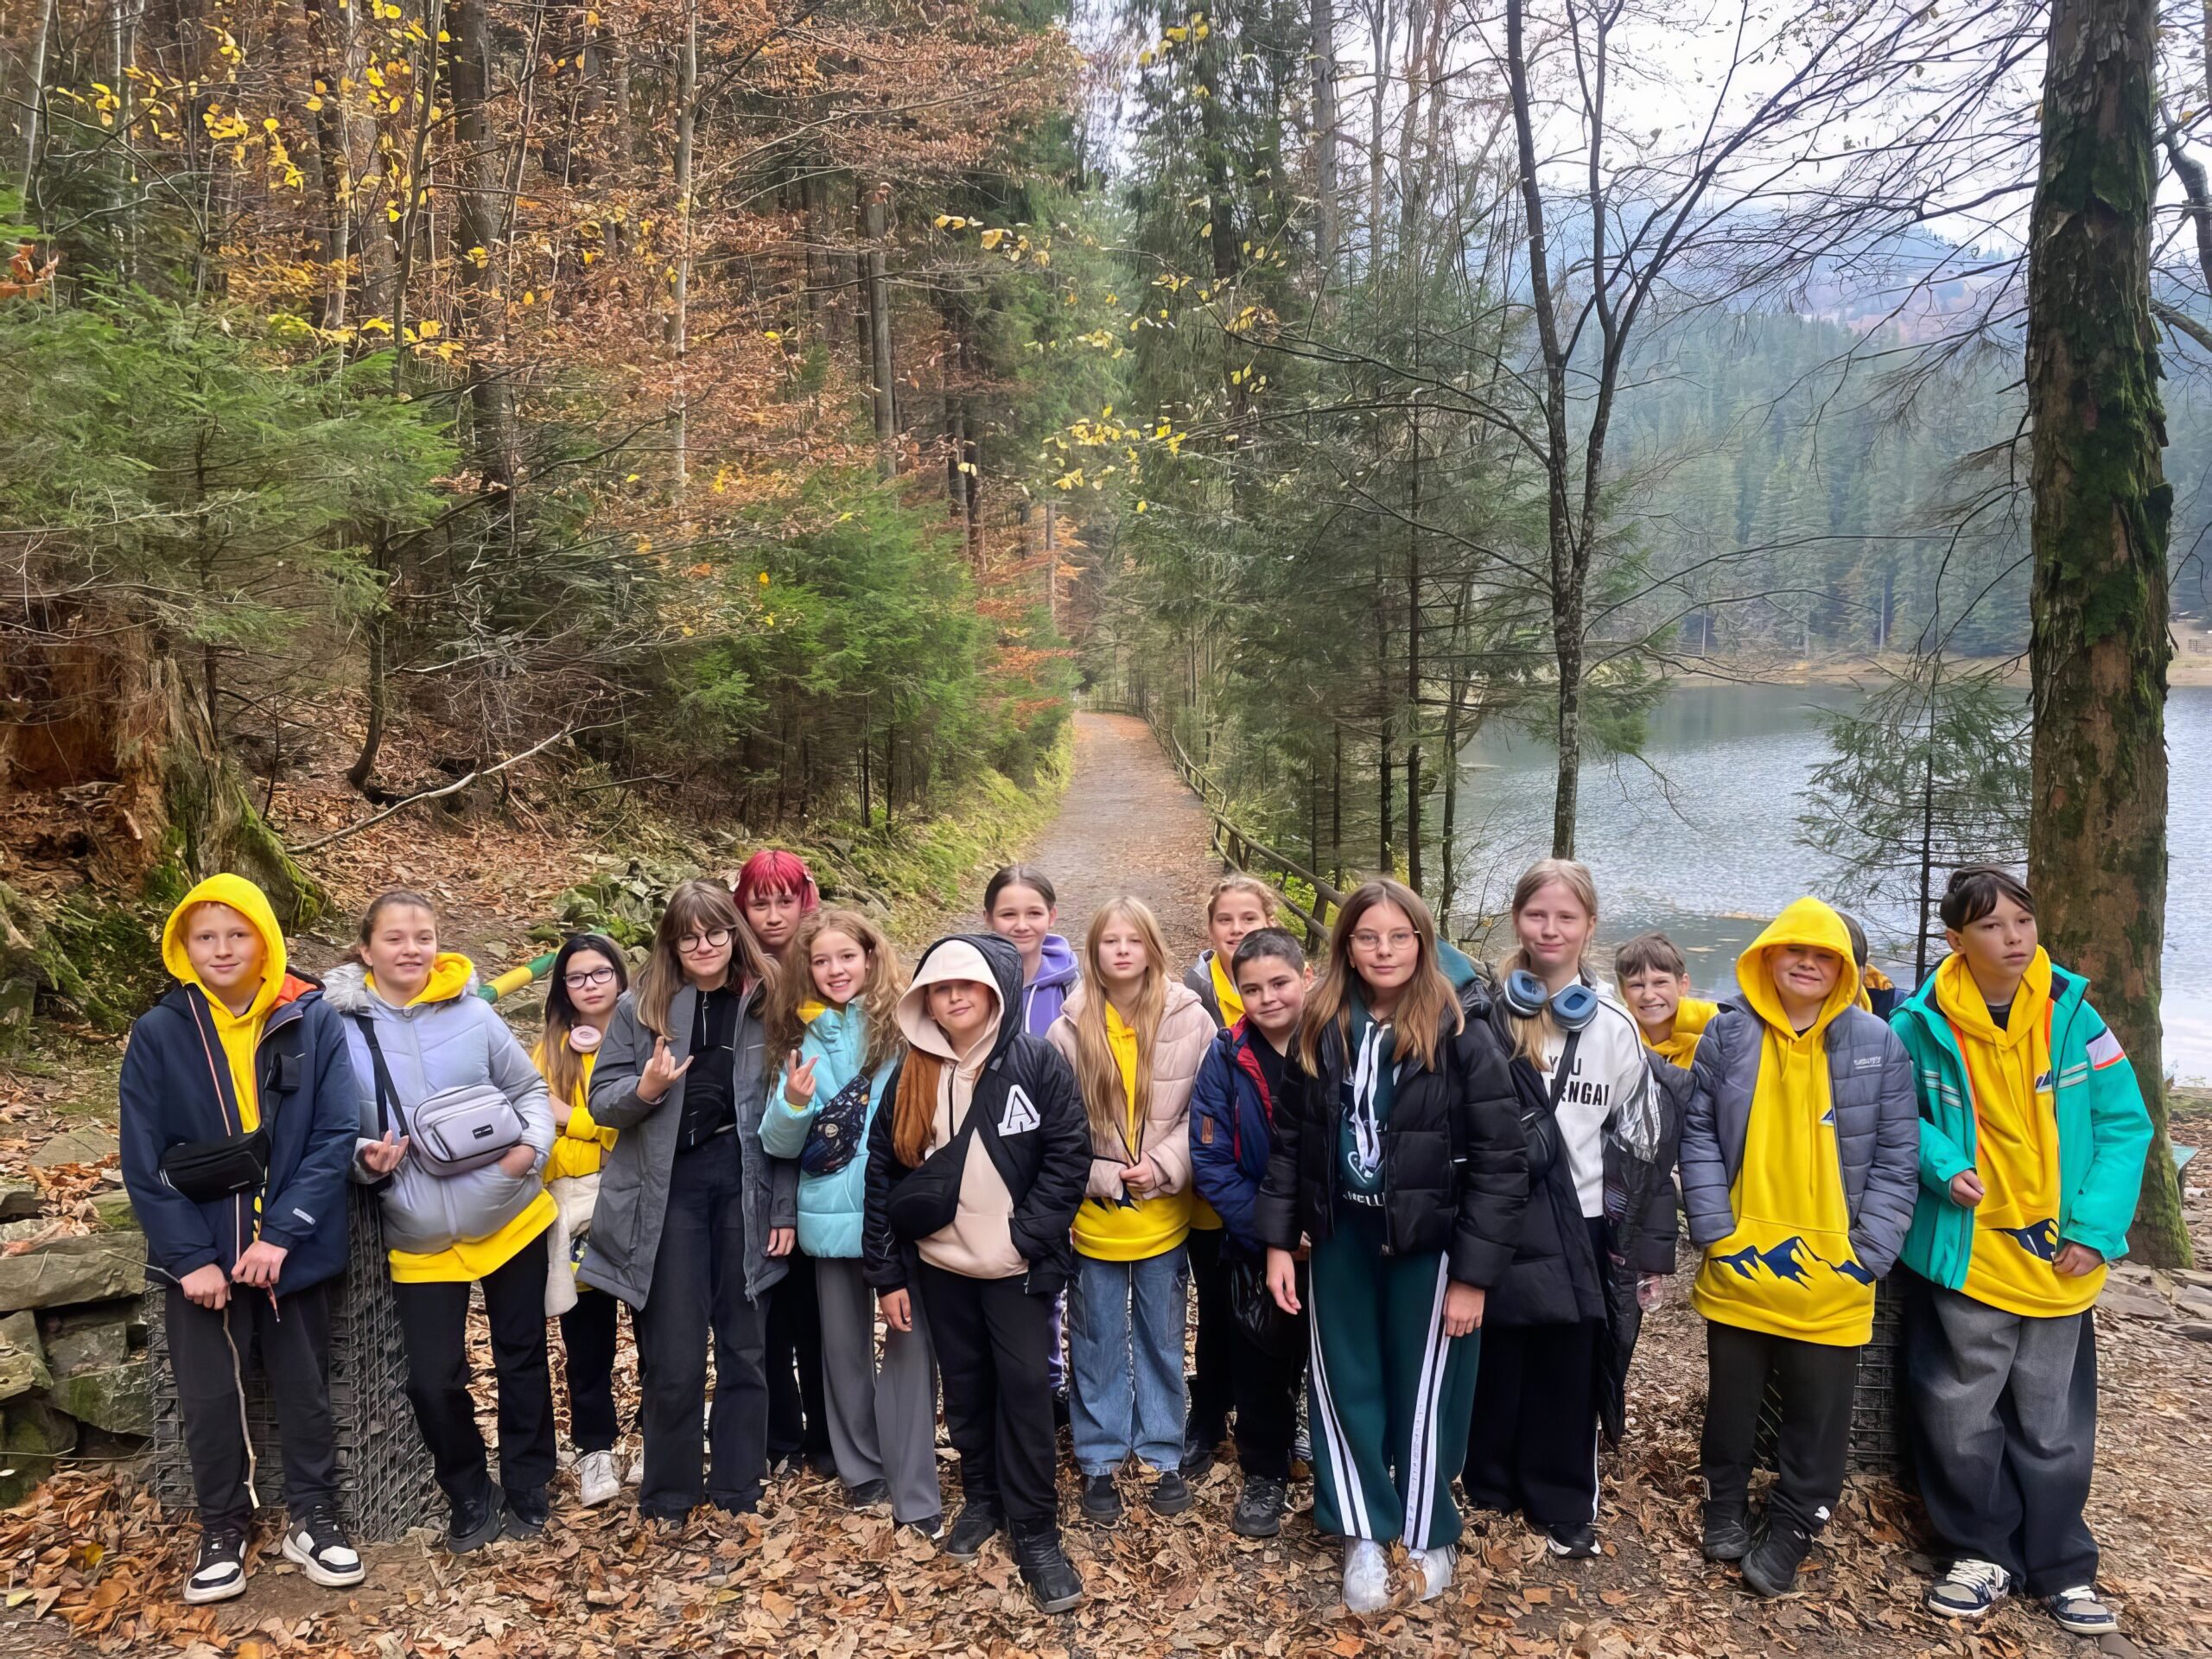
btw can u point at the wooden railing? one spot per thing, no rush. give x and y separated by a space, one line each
1240 847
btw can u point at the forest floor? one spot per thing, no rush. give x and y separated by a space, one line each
91 1567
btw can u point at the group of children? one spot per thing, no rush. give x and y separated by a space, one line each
1432 1198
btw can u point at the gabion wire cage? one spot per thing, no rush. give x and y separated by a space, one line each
384 1468
1878 1436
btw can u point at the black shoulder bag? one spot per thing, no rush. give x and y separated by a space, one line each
207 1171
927 1197
833 1139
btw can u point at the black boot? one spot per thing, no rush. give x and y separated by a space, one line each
971 1529
1052 1581
1770 1567
1727 1529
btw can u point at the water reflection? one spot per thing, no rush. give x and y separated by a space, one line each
1698 837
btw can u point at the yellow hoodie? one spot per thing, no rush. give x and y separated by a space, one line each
1692 1015
240 1033
1788 1269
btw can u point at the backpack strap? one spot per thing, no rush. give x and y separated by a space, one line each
388 1106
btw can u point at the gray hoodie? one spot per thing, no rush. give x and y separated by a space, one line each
429 1047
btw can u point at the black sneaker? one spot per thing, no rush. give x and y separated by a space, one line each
1101 1502
1171 1494
219 1574
1575 1540
1197 1451
476 1520
1060 1408
823 1464
1053 1583
1771 1567
931 1527
316 1543
971 1531
1728 1531
1259 1507
869 1494
527 1513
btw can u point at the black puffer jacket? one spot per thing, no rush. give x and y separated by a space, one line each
1454 1169
1045 1166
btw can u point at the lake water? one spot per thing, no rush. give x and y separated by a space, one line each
1697 837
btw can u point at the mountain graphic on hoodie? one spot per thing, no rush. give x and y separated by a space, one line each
1792 1260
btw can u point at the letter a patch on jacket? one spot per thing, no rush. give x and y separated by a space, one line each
1021 1115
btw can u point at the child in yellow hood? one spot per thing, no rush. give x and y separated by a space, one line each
1800 1164
238 1113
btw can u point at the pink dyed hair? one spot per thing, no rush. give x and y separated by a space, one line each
773 870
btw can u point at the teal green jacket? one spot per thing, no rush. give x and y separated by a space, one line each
2104 1130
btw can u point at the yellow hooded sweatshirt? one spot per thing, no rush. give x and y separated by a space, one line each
466 1261
1692 1015
240 1033
2015 1145
1788 1269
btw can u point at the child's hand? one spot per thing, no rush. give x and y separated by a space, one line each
661 1073
518 1158
1966 1189
781 1240
260 1265
1463 1308
2075 1262
1282 1280
1141 1178
206 1286
1650 1290
898 1309
798 1083
382 1157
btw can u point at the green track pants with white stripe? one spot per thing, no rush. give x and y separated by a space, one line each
1392 1395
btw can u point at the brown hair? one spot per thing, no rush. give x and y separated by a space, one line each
1648 953
1425 1007
1252 887
560 1066
701 907
1098 1074
879 994
1529 1035
913 1108
390 899
1974 891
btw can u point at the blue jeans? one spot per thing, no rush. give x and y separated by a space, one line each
1125 1348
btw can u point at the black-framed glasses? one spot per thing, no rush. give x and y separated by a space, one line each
716 939
584 977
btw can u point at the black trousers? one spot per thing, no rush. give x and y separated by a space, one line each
1265 1389
991 1339
798 1422
434 1325
293 1335
698 1291
588 1333
1212 1387
1533 1444
1815 1381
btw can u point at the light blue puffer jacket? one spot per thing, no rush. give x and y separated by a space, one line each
830 1206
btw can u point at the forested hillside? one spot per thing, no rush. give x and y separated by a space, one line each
638 380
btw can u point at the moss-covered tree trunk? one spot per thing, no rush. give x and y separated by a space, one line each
2099 648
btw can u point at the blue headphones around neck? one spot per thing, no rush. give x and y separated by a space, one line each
1571 1007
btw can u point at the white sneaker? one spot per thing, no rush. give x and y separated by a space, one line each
1367 1575
1969 1590
1436 1567
596 1480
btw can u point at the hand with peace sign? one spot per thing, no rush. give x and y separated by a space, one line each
660 1074
798 1083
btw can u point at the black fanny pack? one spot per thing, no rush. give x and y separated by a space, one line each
206 1171
927 1198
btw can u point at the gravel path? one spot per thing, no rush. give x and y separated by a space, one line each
1127 825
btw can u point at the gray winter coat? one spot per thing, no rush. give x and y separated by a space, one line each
427 1048
1877 1128
634 1182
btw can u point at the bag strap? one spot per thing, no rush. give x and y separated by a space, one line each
1564 1070
387 1096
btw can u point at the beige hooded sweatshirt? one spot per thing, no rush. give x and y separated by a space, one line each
979 1244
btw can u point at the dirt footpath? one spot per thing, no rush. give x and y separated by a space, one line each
1127 825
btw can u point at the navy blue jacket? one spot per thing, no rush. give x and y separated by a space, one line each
176 1088
1232 1132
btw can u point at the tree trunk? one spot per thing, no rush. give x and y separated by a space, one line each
878 333
687 122
480 231
2098 645
35 103
1328 223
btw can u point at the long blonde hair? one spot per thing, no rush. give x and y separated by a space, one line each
1531 1033
701 907
1427 1008
879 994
1097 1073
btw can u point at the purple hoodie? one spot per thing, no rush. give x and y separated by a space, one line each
1043 996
